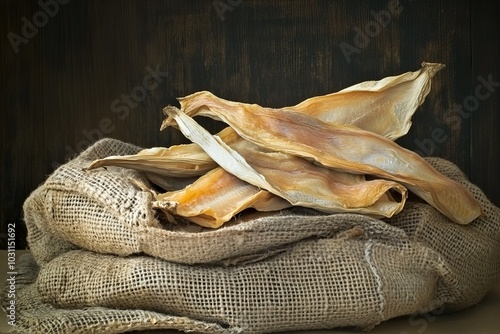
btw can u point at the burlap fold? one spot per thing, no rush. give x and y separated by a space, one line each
107 260
34 316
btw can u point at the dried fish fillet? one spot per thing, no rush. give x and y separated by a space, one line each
298 181
384 107
174 161
305 184
342 147
215 198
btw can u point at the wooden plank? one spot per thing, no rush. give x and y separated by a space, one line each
482 103
435 32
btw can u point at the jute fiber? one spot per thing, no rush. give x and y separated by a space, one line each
103 261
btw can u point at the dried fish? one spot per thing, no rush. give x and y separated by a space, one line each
298 181
175 161
306 184
384 107
341 147
215 198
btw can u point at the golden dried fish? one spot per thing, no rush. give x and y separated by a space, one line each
298 181
176 161
384 107
215 198
342 147
305 184
179 161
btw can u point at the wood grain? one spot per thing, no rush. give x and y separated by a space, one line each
86 73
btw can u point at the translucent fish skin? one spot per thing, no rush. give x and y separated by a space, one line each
216 197
298 181
304 184
384 107
175 161
342 147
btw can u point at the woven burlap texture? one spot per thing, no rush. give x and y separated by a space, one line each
35 316
100 247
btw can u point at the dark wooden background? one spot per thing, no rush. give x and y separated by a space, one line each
73 79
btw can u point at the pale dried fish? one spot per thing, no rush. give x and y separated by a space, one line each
295 179
384 107
175 161
215 198
218 150
305 184
342 147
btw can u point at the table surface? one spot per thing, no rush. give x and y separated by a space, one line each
483 318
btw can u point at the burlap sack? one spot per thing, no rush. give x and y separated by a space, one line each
102 211
101 249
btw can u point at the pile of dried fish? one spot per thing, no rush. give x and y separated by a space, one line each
333 153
